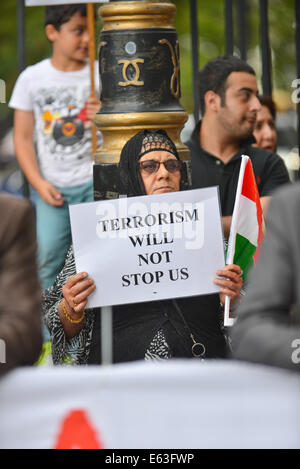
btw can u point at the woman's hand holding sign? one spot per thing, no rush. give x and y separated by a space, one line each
230 283
75 296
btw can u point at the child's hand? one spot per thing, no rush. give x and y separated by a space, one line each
50 194
93 105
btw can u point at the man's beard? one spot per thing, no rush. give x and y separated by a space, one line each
238 132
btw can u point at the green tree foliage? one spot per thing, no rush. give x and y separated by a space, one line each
211 41
36 46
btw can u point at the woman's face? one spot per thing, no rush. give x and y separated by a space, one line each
265 132
162 180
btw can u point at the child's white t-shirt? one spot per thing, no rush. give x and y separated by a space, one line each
62 132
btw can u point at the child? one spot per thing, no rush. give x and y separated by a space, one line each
51 101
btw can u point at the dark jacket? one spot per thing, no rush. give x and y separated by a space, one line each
267 329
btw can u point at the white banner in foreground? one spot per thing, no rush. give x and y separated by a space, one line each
151 247
35 3
171 404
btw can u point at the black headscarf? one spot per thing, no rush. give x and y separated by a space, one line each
145 141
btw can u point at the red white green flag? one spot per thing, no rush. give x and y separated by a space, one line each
247 226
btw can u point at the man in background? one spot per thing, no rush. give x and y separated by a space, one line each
229 104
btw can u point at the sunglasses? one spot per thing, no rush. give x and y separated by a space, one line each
152 166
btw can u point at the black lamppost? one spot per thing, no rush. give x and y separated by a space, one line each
140 74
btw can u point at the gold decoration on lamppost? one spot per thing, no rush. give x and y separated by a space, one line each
134 81
175 61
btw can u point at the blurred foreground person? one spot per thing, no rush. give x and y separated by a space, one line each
20 300
265 131
267 329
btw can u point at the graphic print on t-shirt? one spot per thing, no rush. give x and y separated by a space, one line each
68 129
63 122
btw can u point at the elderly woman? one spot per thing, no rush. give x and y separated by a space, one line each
149 164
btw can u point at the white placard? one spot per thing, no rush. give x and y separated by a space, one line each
150 247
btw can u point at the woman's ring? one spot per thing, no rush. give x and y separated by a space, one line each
74 302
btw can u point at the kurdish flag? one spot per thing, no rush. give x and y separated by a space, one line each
247 226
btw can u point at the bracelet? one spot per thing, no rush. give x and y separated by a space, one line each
73 321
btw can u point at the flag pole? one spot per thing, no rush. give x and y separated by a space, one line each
91 30
106 335
228 321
